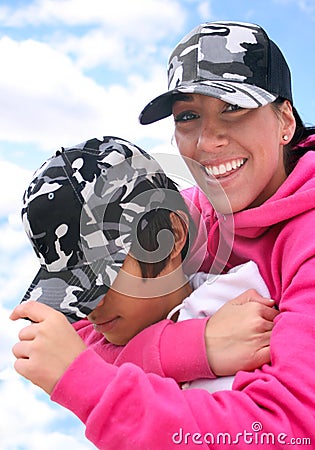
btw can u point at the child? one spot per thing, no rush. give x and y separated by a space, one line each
111 232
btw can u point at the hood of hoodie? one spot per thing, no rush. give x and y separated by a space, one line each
295 196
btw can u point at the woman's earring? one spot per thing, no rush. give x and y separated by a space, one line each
285 137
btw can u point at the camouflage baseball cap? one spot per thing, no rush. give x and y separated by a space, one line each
233 61
80 211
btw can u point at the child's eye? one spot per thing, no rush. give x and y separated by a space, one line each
233 108
185 116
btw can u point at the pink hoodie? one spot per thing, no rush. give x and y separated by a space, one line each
125 408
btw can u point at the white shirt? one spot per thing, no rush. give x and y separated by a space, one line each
209 294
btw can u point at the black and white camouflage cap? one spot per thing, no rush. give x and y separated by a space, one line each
81 211
233 61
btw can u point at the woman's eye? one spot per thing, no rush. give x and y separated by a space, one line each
233 108
185 116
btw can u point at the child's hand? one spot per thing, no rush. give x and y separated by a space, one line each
47 347
238 334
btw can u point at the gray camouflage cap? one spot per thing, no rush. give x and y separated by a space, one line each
80 211
233 61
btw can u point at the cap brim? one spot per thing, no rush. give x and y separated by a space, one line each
75 292
241 94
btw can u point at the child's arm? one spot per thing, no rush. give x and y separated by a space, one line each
235 338
150 349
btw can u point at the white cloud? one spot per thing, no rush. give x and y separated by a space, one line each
12 237
18 265
47 100
117 34
204 9
14 387
18 275
13 182
8 336
26 420
44 95
112 50
95 48
130 16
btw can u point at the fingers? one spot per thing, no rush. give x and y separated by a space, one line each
261 321
28 333
264 339
22 349
262 300
20 365
263 308
251 295
262 326
269 313
34 311
262 357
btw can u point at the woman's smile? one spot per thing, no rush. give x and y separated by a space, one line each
225 168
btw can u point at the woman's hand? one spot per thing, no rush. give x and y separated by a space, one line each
238 334
47 347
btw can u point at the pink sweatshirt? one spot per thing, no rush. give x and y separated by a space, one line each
123 407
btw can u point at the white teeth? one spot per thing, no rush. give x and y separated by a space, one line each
226 167
222 169
215 170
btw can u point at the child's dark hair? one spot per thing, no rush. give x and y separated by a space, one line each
148 229
293 150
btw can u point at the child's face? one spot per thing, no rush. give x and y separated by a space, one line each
134 303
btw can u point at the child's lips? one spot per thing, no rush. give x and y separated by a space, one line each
106 326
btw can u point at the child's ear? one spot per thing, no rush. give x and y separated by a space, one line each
179 221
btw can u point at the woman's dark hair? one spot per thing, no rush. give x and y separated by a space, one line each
294 150
148 233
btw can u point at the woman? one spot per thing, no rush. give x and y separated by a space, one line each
230 95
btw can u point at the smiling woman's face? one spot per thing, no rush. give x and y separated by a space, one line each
241 148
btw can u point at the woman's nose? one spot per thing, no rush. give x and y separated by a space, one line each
212 137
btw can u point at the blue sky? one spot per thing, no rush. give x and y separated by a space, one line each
73 70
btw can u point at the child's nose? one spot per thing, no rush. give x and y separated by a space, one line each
101 303
91 316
